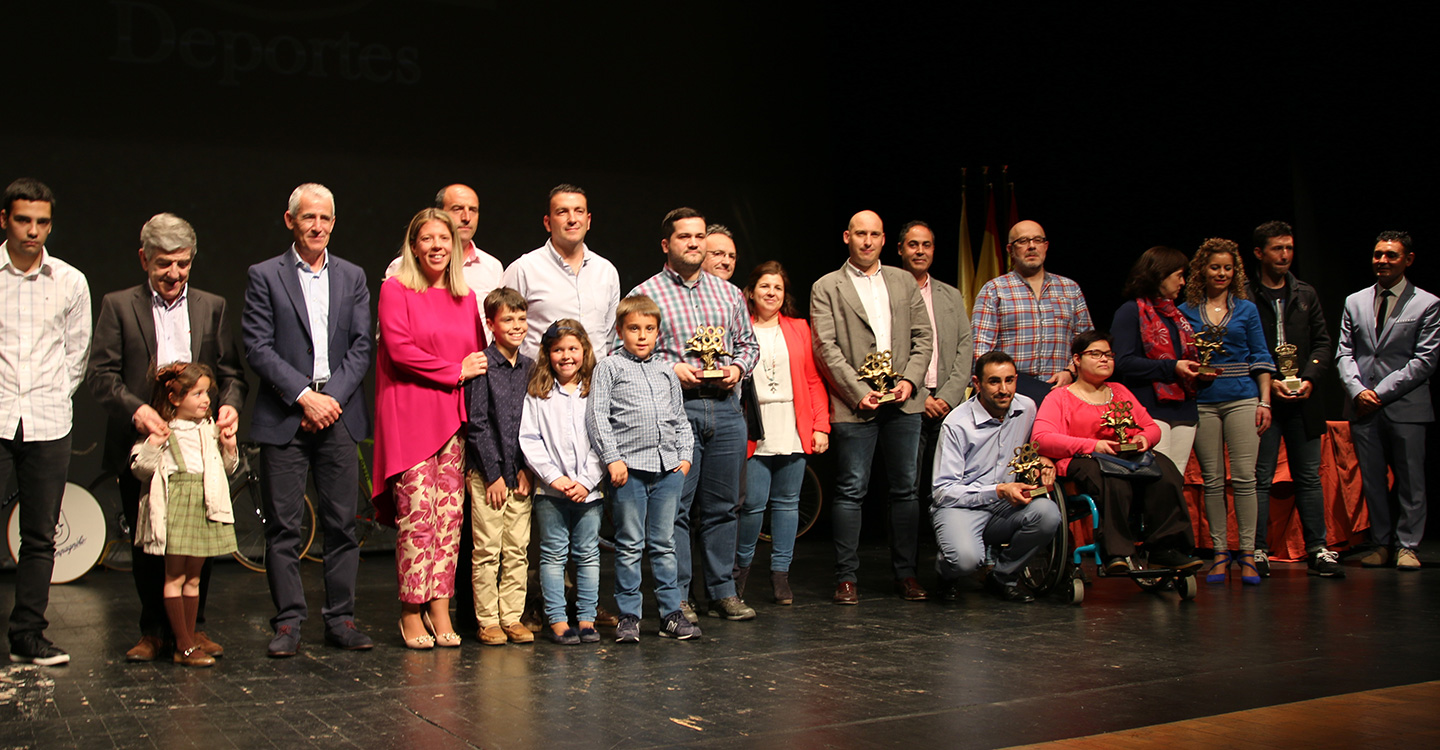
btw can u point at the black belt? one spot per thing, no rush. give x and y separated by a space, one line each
711 393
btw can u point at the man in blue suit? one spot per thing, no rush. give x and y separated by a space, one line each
306 330
1389 345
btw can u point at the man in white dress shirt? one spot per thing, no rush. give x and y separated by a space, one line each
44 338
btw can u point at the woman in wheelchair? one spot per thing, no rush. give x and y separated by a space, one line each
1075 427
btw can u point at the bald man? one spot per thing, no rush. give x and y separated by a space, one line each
1031 314
860 309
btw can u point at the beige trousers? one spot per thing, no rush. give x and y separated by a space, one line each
500 565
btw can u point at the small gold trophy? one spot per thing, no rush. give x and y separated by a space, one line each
1210 341
1120 418
1027 465
1289 365
880 375
708 342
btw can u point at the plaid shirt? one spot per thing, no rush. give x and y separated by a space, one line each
1036 332
709 301
635 413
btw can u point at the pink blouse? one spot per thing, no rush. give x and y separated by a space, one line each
1066 427
418 404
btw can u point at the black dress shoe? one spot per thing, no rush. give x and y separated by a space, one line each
345 635
285 642
1008 592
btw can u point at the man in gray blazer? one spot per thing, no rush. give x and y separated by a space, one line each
306 329
859 310
162 321
1389 346
949 372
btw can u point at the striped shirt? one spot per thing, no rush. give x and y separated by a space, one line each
172 327
685 306
1036 332
44 342
636 414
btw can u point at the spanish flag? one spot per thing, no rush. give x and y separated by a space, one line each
990 264
966 282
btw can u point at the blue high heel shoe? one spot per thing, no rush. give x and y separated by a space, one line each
1247 563
1216 572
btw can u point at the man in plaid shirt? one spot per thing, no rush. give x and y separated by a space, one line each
1030 314
688 299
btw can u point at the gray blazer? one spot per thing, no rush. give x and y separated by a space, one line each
954 342
1396 363
843 338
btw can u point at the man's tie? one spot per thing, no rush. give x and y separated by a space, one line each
1385 296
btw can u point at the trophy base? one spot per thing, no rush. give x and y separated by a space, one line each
1039 492
887 398
1127 447
1207 370
1292 384
711 374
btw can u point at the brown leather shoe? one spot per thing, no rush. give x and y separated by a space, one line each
533 618
194 657
208 646
605 618
845 593
518 633
909 590
1376 558
146 650
1405 559
492 635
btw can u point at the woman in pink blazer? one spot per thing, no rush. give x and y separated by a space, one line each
795 415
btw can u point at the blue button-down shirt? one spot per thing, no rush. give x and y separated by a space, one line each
556 442
315 286
493 403
636 413
975 452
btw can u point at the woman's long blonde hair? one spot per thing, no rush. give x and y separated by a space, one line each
410 274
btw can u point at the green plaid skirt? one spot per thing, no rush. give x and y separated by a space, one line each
187 530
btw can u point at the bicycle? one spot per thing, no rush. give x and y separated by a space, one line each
365 514
91 530
249 510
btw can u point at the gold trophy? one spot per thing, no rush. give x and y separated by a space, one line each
1120 418
1027 466
1288 364
1210 341
880 375
708 342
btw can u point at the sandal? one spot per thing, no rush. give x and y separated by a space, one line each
445 640
1247 562
1220 563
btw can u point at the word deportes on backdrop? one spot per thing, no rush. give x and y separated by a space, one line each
880 375
708 343
1027 465
1209 340
1120 417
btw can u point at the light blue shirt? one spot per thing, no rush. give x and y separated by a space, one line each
315 286
172 327
636 414
556 443
975 453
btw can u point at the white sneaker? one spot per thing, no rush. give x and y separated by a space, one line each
1262 563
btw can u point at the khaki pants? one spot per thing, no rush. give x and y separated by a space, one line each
500 563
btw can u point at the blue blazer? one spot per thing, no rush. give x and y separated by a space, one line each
1397 362
275 329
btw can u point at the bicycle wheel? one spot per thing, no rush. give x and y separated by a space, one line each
79 534
811 500
118 555
250 523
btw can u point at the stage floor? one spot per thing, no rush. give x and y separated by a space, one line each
886 673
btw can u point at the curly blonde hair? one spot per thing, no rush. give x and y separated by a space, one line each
1195 283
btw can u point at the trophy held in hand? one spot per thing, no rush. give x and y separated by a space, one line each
1210 341
708 342
1027 466
1120 417
1288 364
880 375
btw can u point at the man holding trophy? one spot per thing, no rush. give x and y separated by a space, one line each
990 484
705 335
873 344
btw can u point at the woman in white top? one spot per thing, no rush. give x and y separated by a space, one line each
795 417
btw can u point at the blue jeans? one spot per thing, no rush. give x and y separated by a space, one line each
713 490
898 435
1303 455
569 529
775 479
644 514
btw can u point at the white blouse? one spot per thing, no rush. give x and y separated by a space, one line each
775 395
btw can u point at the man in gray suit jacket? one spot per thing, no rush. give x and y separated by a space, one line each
950 364
162 321
1389 346
859 310
306 329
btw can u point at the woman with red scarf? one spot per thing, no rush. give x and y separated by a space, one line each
1155 354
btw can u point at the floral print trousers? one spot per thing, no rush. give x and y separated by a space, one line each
429 507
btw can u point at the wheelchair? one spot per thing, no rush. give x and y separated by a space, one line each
1057 568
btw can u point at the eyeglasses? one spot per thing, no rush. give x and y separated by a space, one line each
1026 241
1100 354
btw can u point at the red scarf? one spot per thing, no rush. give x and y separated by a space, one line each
1156 339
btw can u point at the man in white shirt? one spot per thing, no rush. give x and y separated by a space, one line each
565 279
44 338
483 271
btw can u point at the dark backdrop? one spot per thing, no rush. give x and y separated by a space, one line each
1124 126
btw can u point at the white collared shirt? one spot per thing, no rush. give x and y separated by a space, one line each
875 297
44 342
172 327
556 291
315 286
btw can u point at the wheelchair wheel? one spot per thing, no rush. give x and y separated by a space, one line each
1049 569
811 500
1188 587
1077 590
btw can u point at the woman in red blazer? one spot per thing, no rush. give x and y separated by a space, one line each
795 415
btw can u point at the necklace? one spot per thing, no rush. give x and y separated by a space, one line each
769 364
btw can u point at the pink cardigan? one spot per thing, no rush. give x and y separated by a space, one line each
812 403
1066 427
418 406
